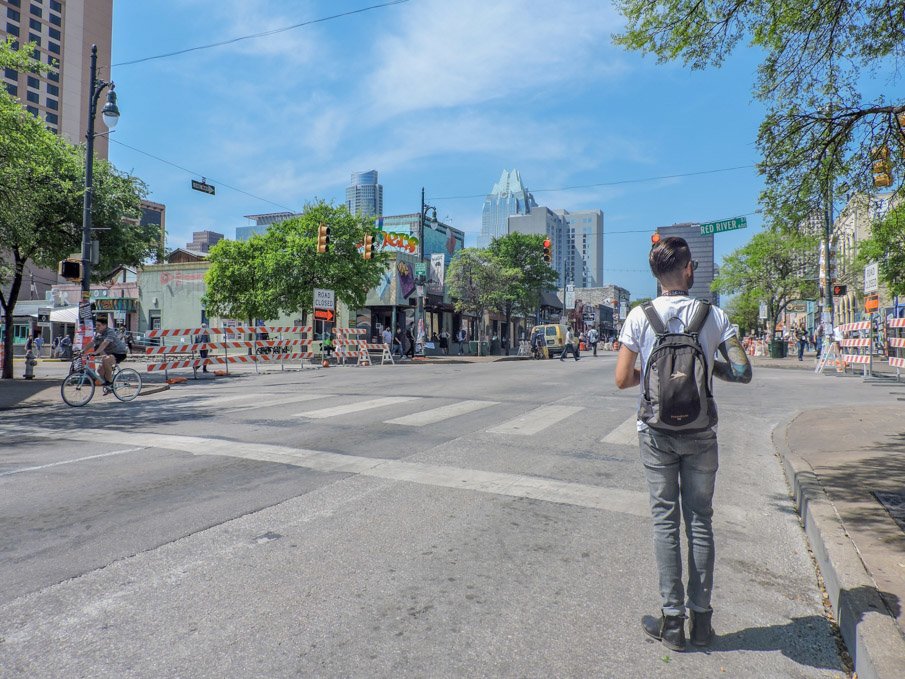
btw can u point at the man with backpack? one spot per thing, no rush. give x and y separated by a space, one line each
678 338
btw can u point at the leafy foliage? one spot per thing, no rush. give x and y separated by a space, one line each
774 267
237 286
476 283
824 112
886 246
744 311
521 261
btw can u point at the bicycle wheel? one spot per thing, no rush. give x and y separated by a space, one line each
77 389
126 384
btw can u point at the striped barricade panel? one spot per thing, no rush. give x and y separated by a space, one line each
175 365
897 362
896 323
897 342
855 342
852 327
859 359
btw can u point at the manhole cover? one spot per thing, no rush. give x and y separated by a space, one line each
895 505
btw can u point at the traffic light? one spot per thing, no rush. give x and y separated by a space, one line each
548 251
323 238
369 246
881 167
839 290
71 270
654 239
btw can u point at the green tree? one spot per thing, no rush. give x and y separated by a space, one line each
41 190
744 310
237 285
639 302
476 284
886 246
520 257
295 268
823 75
775 267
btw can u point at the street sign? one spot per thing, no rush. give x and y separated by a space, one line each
762 311
871 278
203 186
324 299
324 314
710 228
570 296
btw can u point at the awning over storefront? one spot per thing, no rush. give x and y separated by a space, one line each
67 315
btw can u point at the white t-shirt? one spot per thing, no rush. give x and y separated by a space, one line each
675 312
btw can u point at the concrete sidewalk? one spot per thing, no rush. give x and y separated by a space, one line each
840 462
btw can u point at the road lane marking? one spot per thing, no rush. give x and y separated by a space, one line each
535 421
301 398
626 434
435 415
355 407
78 459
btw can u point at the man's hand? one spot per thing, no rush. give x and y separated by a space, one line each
627 375
736 367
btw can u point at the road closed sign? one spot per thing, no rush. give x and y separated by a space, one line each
324 299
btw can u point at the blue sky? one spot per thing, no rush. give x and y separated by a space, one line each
430 93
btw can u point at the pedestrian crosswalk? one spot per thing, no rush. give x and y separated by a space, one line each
535 421
435 415
358 407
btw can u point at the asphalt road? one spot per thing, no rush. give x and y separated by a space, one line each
433 520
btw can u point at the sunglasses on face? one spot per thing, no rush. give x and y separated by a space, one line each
694 264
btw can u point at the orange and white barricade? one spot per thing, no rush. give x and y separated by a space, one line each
854 347
895 338
186 354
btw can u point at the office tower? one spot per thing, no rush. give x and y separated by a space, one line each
262 223
545 222
203 241
584 240
365 195
702 251
508 197
156 214
63 32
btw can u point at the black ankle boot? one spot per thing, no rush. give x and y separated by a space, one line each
701 631
669 629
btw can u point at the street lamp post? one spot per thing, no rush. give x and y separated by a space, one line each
419 316
110 113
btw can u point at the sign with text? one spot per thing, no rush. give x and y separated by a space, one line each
871 278
324 299
710 228
204 187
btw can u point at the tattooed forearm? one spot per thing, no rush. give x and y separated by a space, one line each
736 367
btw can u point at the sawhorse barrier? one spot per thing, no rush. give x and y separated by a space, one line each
895 338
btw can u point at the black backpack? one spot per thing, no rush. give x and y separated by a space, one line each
677 396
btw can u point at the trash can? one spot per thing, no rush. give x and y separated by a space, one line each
778 348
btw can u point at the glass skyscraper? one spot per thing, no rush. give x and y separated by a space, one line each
365 195
508 197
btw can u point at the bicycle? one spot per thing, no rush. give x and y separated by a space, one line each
78 387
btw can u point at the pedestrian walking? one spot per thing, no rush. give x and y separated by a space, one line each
410 342
461 336
677 338
802 344
593 339
444 342
818 339
569 345
387 337
39 345
201 338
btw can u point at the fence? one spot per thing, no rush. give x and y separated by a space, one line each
895 335
259 349
854 347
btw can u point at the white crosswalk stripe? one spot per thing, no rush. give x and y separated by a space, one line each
626 434
536 421
335 411
435 415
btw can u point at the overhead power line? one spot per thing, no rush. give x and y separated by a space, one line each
262 34
206 176
611 183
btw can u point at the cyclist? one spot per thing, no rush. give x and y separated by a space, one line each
111 346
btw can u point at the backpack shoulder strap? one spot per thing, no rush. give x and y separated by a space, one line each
653 318
701 312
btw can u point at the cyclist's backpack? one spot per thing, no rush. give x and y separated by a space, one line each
677 393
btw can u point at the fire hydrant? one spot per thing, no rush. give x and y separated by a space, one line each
30 363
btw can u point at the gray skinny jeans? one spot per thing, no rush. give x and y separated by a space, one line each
682 470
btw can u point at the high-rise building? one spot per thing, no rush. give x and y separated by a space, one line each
203 241
701 251
365 195
63 31
262 223
507 197
155 213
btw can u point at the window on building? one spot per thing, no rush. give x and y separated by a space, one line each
14 44
11 73
14 3
34 38
35 25
53 90
53 75
52 118
53 104
32 109
13 14
55 20
32 97
53 33
33 82
36 10
53 47
12 89
56 6
12 29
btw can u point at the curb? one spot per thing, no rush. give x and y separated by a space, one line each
871 635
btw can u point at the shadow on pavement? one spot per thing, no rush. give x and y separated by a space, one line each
15 392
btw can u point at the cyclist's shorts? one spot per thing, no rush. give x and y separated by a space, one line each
119 358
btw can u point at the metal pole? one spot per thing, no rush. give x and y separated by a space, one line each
89 180
827 235
419 316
